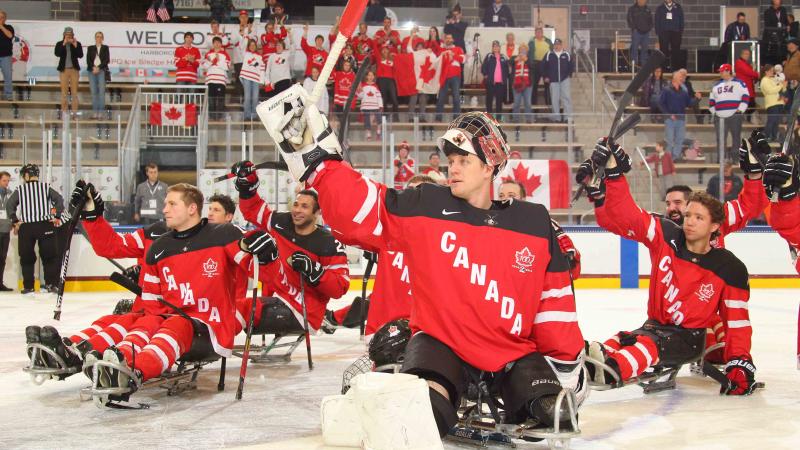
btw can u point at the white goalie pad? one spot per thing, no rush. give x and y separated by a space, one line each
382 411
572 375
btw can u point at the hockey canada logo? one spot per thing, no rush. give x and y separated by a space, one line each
210 268
524 260
705 292
393 331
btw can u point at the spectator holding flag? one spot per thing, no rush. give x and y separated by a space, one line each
187 60
371 105
409 43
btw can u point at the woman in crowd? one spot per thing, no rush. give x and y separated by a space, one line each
386 83
434 42
651 92
772 88
251 77
522 84
97 58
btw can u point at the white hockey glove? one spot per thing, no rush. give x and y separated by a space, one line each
300 131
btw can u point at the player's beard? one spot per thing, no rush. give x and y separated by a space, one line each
676 217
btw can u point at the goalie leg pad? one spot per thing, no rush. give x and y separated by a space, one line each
524 387
430 359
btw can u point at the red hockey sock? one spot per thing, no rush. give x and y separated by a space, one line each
341 314
170 341
632 360
139 335
96 327
112 333
612 343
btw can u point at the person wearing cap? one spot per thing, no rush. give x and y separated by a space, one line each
495 78
69 52
792 67
727 103
558 67
404 166
498 15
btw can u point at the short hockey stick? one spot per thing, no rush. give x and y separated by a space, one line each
73 222
371 257
305 323
246 351
277 165
112 261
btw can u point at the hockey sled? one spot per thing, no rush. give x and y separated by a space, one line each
39 371
481 422
278 350
175 381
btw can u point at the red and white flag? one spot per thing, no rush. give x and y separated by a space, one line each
417 72
169 114
163 13
545 181
151 14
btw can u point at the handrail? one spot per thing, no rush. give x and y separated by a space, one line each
125 150
593 68
649 173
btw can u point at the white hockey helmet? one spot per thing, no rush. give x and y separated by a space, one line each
479 134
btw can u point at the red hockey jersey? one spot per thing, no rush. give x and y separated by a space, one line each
409 45
109 244
342 85
269 41
314 56
390 39
187 70
363 46
391 294
192 270
492 284
785 219
403 171
283 282
686 289
453 58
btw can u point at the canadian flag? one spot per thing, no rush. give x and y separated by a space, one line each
419 71
171 114
545 181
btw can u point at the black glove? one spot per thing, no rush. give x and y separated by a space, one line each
780 174
95 206
603 151
311 270
246 179
261 244
753 151
596 195
77 194
741 375
133 272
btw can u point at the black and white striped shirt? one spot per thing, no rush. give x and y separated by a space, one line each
36 202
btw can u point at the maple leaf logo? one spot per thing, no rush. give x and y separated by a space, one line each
520 174
524 259
173 114
210 268
705 292
426 72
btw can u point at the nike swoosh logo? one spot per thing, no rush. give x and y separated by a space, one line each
160 253
278 226
449 213
153 235
672 241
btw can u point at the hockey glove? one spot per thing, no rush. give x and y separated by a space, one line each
781 172
753 152
613 157
95 206
246 179
261 244
133 272
566 245
77 194
742 376
310 270
301 133
584 176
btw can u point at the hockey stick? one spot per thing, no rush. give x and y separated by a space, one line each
305 323
73 222
371 257
112 261
277 165
126 282
350 17
343 126
246 351
787 140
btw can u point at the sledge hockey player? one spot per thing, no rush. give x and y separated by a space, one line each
186 268
307 250
690 282
492 291
781 176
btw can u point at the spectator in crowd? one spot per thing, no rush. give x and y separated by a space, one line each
216 32
771 88
309 83
776 17
683 78
434 43
745 72
217 62
269 39
371 105
640 22
386 79
5 226
268 13
521 84
363 45
187 60
511 189
664 167
418 103
669 23
347 56
791 68
511 50
316 55
434 169
342 85
69 52
220 9
453 58
673 103
149 199
240 42
375 13
403 166
498 15
727 103
738 30
251 77
97 58
651 92
731 185
279 16
794 27
456 27
537 49
6 51
495 77
409 43
278 71
387 37
558 67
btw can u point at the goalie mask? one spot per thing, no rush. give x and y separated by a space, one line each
388 346
479 134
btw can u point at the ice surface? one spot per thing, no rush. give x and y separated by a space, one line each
280 409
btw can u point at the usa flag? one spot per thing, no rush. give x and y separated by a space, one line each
151 14
162 13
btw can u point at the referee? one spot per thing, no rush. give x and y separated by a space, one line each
40 207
